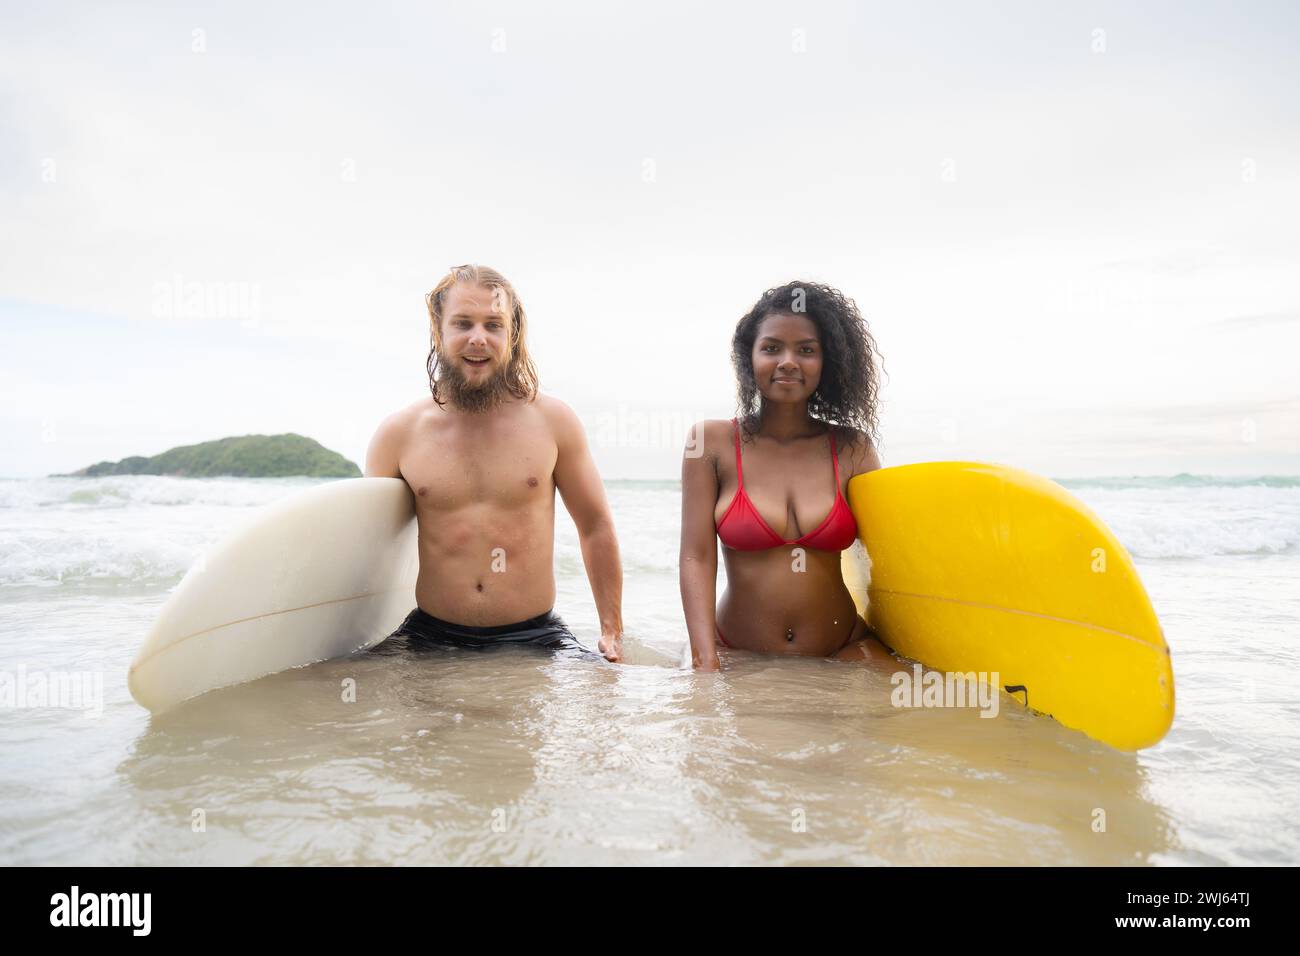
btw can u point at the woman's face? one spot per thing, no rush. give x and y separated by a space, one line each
787 357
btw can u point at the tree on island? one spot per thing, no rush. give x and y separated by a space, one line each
247 456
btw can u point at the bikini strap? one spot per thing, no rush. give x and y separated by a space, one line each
835 460
740 474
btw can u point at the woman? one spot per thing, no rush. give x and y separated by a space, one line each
770 484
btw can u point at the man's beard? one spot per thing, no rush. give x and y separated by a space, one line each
469 397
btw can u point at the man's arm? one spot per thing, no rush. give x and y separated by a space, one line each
385 452
580 487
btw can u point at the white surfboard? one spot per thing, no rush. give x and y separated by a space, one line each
321 574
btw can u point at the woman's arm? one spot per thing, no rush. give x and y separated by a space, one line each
862 456
699 552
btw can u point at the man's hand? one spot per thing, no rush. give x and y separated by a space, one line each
611 645
580 487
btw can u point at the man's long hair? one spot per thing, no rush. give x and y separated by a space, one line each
520 375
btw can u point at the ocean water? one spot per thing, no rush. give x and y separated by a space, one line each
520 758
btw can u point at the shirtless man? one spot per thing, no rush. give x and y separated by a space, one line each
483 457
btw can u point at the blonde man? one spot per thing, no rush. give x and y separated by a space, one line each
483 457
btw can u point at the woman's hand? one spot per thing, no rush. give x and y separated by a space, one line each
705 662
698 560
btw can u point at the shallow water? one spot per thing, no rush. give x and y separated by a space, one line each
518 757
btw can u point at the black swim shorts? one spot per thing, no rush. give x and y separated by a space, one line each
546 630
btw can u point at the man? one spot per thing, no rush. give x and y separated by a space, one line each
483 458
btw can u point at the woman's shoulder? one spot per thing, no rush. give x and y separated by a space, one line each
856 449
709 428
706 437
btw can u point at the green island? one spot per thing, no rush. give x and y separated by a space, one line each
246 456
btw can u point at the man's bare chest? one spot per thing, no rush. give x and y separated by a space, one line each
506 468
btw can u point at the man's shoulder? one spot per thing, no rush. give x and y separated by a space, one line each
406 416
384 454
550 405
557 413
562 423
419 415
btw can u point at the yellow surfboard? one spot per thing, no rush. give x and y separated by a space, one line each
984 568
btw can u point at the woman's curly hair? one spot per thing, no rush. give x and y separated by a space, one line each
848 393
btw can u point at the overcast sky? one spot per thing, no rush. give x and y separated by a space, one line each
1072 232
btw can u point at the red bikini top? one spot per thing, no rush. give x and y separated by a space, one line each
742 528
